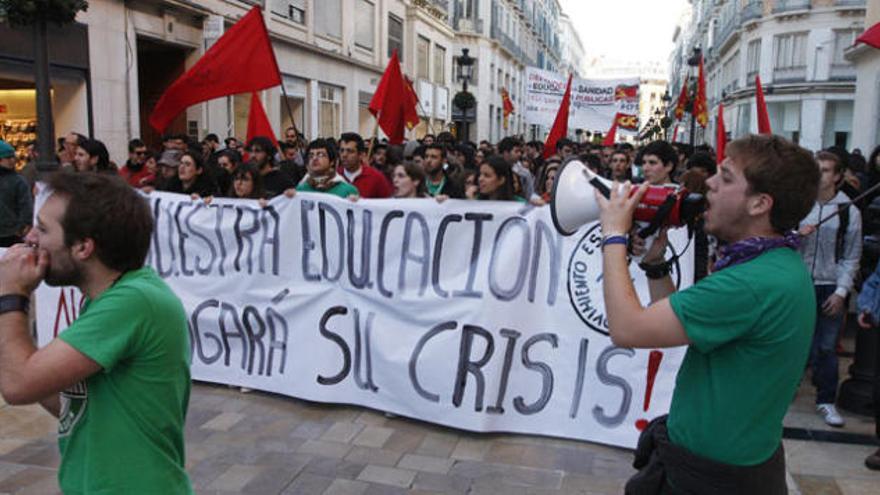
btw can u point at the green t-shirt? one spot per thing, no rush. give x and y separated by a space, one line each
750 327
121 430
342 189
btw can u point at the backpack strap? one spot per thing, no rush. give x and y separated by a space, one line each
842 226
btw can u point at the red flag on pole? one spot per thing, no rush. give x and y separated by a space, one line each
682 100
394 102
871 36
612 133
507 105
763 116
240 61
560 125
701 109
258 122
675 133
720 135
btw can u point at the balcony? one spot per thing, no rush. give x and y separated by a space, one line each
843 72
437 8
795 73
782 6
730 24
850 3
752 10
466 25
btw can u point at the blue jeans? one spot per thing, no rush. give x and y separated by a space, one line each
823 352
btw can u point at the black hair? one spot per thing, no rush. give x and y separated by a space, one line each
96 148
213 138
265 144
349 137
323 144
703 160
662 150
508 143
435 146
564 142
135 144
502 169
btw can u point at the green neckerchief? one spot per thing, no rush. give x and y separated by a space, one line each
432 189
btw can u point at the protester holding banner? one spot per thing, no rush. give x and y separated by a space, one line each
409 182
191 177
439 181
118 378
353 167
496 181
322 176
262 154
92 156
747 326
247 183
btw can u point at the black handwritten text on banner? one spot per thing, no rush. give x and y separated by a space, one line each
476 315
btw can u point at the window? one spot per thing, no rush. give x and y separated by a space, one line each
363 26
753 60
294 10
395 35
838 123
439 64
330 103
423 53
790 56
843 39
327 19
492 76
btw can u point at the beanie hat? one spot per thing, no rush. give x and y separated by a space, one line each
6 150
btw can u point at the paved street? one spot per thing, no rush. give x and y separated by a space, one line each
265 444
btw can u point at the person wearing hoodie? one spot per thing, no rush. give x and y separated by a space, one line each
831 252
322 176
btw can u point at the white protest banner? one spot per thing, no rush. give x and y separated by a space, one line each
594 102
472 314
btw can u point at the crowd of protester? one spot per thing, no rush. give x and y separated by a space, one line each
512 169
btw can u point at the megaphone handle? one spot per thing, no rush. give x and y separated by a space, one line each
597 183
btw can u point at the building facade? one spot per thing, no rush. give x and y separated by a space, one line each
505 37
571 48
797 47
866 115
110 68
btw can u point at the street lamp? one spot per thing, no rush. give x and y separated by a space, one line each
463 100
665 120
693 62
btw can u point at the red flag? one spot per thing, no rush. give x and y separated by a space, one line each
871 36
258 122
763 116
240 61
560 125
675 133
682 100
394 103
414 101
507 104
701 110
612 133
720 135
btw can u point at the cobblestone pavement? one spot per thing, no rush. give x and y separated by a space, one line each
266 444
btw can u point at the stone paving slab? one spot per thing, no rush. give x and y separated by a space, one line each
255 443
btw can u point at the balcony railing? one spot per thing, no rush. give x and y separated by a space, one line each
850 3
843 72
466 25
780 6
752 10
730 24
796 73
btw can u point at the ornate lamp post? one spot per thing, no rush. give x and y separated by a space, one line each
464 100
693 62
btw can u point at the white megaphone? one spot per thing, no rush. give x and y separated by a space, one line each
573 203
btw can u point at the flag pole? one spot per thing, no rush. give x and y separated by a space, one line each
289 110
373 140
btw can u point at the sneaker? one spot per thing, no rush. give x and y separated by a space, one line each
873 461
829 414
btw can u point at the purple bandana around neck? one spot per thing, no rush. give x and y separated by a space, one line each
751 248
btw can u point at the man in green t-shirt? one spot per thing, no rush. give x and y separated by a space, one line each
118 378
748 325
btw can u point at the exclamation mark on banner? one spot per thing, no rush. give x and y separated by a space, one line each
654 359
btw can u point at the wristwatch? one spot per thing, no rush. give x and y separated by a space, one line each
14 302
